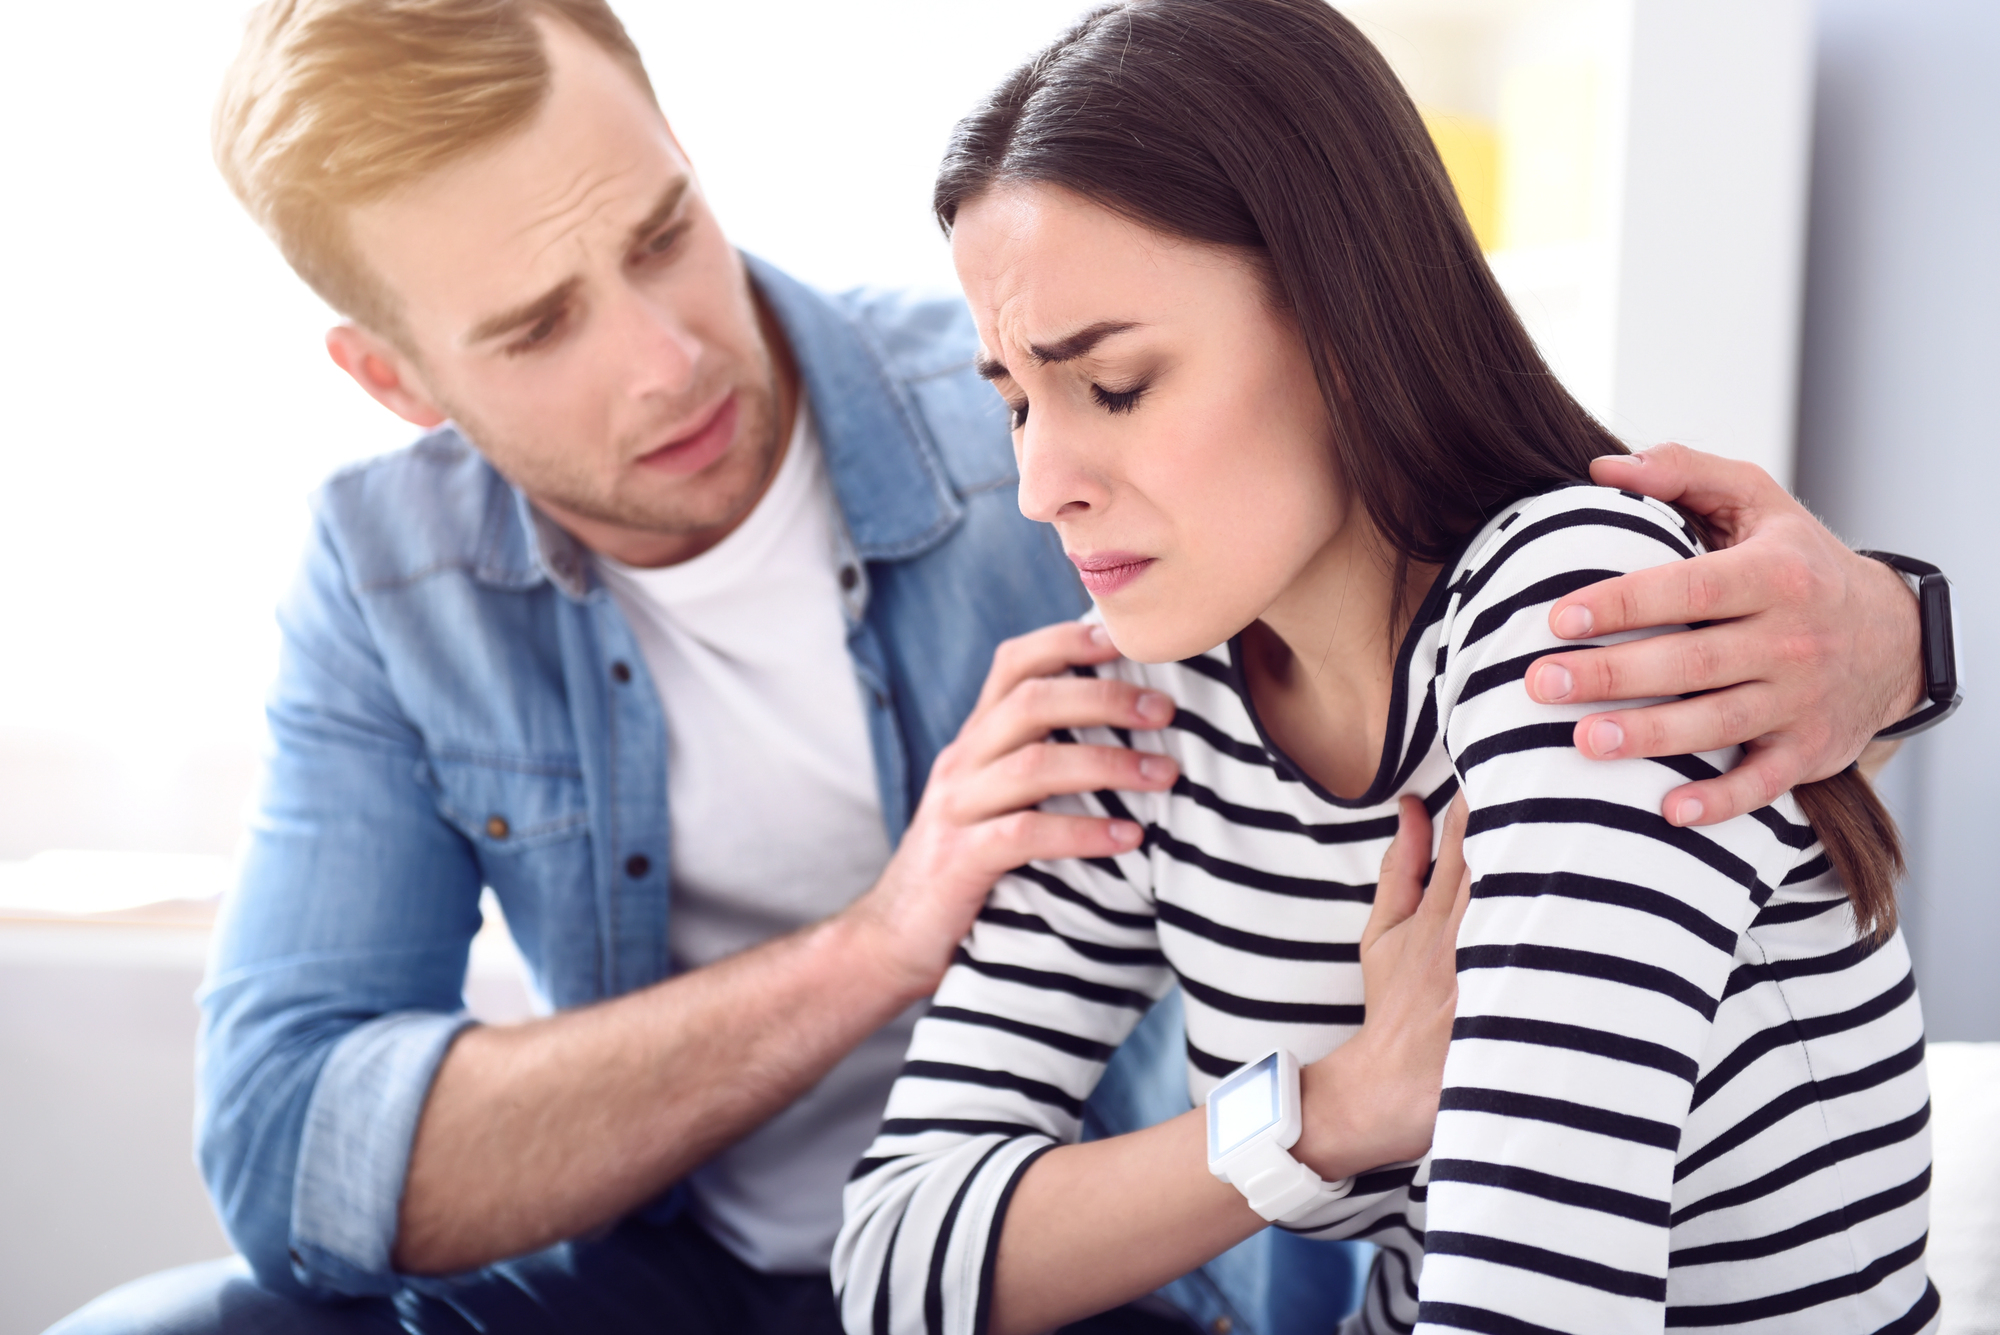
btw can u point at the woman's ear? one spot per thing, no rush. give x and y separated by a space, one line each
384 372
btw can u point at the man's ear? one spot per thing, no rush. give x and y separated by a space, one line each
384 372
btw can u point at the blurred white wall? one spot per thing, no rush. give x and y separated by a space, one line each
1899 440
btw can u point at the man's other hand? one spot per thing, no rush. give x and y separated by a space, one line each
1811 648
977 820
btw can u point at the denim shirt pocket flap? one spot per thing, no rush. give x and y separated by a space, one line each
507 804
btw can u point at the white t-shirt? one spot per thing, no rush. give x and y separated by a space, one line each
775 818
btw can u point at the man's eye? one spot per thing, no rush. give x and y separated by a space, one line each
1117 400
664 242
538 333
1020 412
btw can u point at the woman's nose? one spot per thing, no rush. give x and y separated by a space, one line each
1055 482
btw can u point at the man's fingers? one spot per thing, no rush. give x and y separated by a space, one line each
1043 653
1709 587
1659 665
1757 782
1008 841
1039 770
1682 727
1705 483
1039 705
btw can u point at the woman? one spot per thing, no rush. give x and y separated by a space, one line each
1271 398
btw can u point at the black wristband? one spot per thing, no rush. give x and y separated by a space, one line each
1940 647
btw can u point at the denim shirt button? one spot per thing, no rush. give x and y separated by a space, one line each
638 865
1222 1325
497 827
849 577
621 672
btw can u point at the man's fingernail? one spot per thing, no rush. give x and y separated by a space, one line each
1124 833
1619 459
1553 684
1605 737
1574 622
1100 637
1688 810
1155 769
1155 707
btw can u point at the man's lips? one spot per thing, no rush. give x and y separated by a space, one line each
696 450
1107 572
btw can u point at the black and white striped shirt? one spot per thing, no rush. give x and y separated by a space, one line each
1680 1091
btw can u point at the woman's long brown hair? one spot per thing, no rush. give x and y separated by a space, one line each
1275 127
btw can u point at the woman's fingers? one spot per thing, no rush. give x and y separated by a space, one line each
1399 891
1450 872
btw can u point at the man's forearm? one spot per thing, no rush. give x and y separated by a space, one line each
537 1132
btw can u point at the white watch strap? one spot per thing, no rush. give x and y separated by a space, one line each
1279 1187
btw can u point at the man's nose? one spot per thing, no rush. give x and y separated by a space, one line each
663 352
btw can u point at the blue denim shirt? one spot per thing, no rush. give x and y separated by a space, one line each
459 704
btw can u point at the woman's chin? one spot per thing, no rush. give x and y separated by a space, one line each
1156 639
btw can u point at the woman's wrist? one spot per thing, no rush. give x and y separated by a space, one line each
1351 1110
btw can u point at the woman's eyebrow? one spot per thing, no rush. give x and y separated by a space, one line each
1079 344
1065 349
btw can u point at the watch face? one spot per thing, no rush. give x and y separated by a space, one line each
1242 1106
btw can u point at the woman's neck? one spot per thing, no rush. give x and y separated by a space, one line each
1320 663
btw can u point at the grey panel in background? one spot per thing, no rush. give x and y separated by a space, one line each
1899 441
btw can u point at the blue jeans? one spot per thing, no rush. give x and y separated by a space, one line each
659 1279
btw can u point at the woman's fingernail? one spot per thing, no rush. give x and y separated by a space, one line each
1553 684
1124 833
1154 707
1156 769
1574 622
1100 637
1605 737
1688 811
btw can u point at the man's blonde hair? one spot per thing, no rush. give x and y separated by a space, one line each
333 104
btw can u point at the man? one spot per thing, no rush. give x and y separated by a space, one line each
689 598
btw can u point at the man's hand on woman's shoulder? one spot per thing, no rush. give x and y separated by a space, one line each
1803 650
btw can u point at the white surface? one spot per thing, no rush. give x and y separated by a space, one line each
1965 1185
97 1178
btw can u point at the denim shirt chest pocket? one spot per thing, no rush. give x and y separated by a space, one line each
527 817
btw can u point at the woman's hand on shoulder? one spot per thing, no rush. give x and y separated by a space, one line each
1374 1099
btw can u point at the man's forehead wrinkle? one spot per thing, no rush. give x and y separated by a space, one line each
572 207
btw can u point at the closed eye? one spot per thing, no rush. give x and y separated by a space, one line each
1117 400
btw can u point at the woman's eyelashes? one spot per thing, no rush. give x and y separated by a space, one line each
1111 400
1117 400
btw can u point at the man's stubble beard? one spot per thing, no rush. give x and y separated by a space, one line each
749 466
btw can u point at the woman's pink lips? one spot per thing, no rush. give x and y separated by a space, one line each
1107 572
699 448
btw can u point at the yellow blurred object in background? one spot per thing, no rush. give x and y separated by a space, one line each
1471 152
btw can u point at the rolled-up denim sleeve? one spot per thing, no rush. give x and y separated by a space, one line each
335 986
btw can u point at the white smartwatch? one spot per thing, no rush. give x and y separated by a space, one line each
1254 1119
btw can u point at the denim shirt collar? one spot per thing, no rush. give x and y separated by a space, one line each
886 474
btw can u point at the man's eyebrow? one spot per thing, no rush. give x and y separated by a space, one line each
989 369
528 312
670 203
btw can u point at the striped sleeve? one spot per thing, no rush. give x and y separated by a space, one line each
1062 964
1591 963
